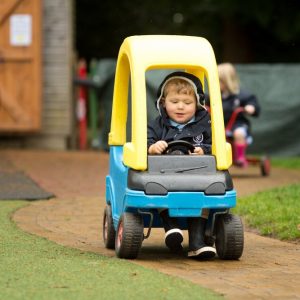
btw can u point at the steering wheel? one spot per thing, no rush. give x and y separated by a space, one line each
179 147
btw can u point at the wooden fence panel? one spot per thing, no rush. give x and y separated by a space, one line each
20 65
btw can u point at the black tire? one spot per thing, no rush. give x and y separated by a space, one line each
265 166
229 236
129 237
108 231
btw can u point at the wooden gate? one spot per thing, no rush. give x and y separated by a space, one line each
20 65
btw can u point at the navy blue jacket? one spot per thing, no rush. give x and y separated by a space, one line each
197 132
232 102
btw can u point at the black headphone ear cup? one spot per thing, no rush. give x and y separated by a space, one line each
202 99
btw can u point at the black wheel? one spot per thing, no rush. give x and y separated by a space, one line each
265 166
229 236
129 236
179 147
109 233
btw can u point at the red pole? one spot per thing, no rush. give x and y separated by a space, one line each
82 106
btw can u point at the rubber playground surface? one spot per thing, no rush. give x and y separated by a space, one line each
268 269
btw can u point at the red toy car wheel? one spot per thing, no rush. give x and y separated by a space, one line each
265 166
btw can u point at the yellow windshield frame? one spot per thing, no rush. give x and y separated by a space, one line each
137 55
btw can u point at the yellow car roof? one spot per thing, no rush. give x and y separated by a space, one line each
139 54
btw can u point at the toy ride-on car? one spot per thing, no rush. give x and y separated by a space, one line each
263 162
138 185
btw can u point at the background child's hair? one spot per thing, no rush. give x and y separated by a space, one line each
229 77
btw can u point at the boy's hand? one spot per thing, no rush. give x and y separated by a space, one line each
158 148
198 151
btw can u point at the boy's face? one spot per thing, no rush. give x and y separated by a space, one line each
180 107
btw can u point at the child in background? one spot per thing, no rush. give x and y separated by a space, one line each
232 98
182 117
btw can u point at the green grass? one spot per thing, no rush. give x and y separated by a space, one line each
274 213
289 163
35 268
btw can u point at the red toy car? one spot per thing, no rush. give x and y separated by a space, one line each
264 161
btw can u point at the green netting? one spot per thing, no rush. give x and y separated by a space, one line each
276 132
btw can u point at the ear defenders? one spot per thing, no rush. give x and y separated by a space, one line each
190 78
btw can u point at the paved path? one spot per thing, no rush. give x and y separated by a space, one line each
268 269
